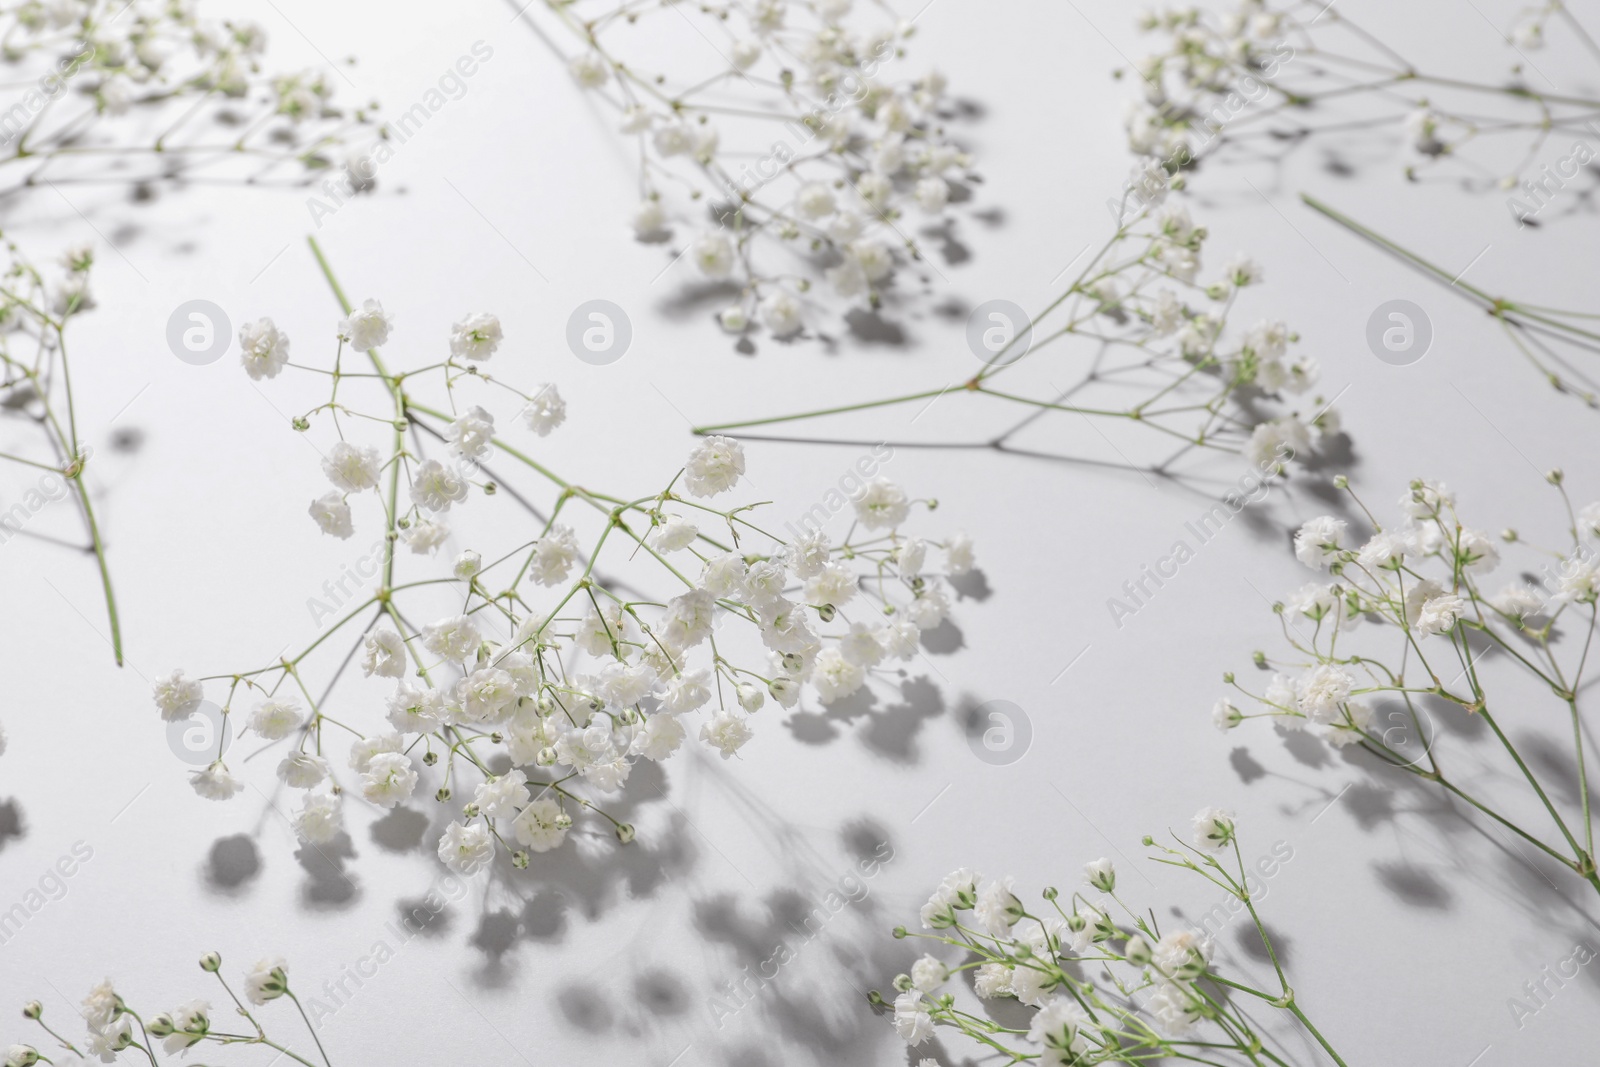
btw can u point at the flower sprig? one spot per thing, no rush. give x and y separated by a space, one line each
1421 584
101 84
790 157
538 675
1107 985
1150 327
114 1027
1260 75
36 381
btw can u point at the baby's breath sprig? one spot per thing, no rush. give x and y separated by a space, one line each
1107 985
1151 328
114 1027
36 381
1270 75
793 157
1433 632
524 696
102 84
93 87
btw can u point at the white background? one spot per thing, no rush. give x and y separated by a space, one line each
1407 926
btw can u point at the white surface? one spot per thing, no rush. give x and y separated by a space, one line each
615 955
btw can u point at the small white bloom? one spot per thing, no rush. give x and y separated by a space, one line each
726 732
472 433
351 468
465 848
588 69
1213 830
453 638
715 465
882 504
1320 541
263 349
780 313
713 254
385 654
476 337
215 782
436 486
553 556
302 770
318 820
541 826
367 326
272 720
546 411
177 697
332 515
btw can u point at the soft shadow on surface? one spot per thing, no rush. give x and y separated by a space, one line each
890 731
232 864
12 828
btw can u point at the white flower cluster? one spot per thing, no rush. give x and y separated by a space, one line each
1166 334
1263 72
800 156
1105 983
1422 586
535 674
113 1027
113 65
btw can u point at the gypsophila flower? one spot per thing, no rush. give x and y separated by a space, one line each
475 337
177 697
332 515
351 469
367 326
1213 828
263 349
266 981
273 720
1071 974
1320 541
318 820
215 782
529 675
545 411
715 466
466 849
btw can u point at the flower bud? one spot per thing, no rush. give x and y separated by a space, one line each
161 1025
899 933
443 794
1137 950
625 832
1101 874
211 962
32 1010
902 982
751 697
519 859
22 1056
546 757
